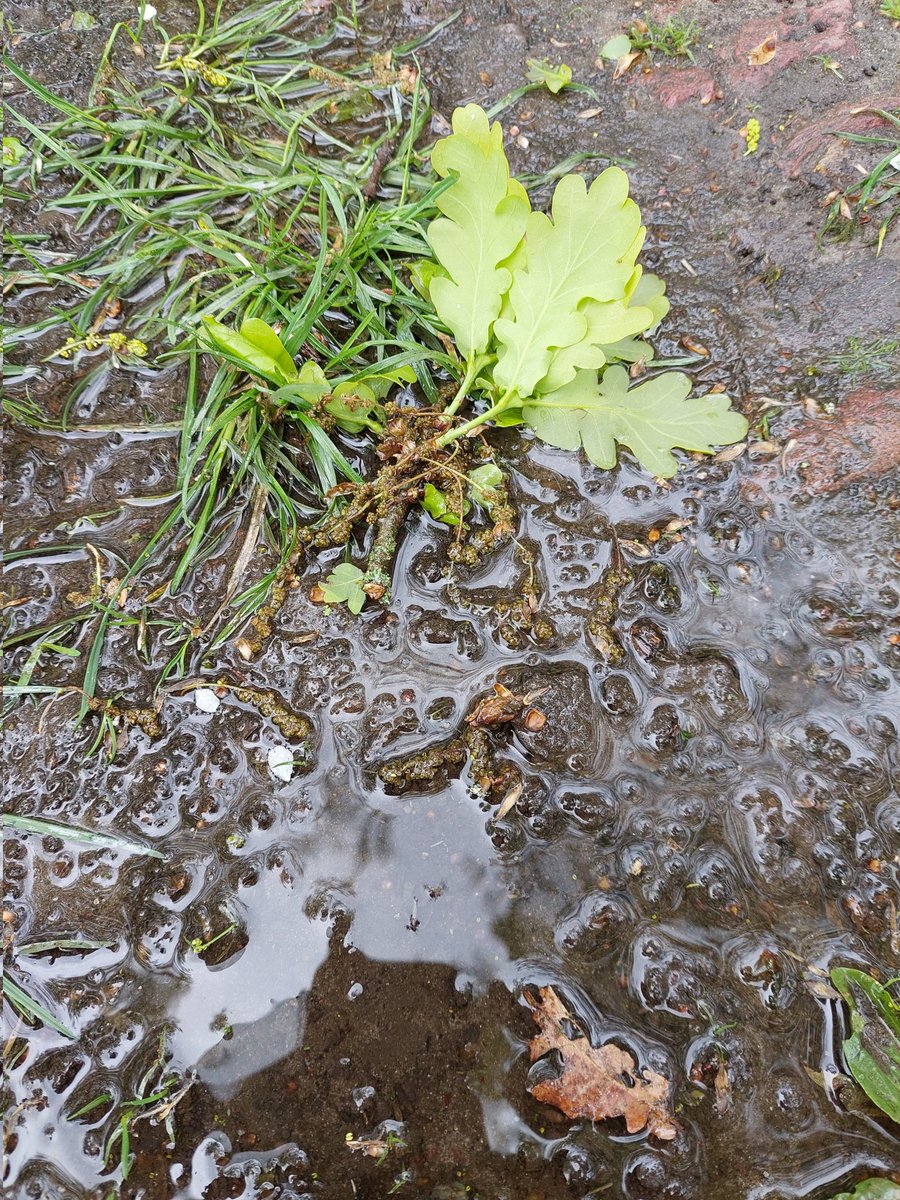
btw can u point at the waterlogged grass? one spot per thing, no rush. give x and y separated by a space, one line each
873 202
673 38
32 1010
244 178
74 833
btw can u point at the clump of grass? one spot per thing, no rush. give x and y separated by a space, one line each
157 1095
225 187
890 9
673 38
876 199
876 357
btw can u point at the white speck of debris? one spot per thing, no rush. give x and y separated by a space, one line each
206 700
281 762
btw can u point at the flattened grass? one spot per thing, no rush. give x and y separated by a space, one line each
246 176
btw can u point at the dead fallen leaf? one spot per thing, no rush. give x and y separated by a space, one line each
534 720
626 62
764 52
731 453
822 991
636 548
501 708
596 1082
372 1147
587 113
509 802
694 346
723 1090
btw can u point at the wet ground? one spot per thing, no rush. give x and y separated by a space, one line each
706 826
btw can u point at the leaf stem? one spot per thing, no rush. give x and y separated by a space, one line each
461 430
472 368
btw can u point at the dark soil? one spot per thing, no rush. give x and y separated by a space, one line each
706 826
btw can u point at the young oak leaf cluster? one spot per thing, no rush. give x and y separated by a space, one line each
542 305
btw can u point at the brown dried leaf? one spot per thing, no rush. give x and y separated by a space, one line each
587 113
636 548
694 346
822 991
764 52
731 453
509 802
534 720
373 1147
596 1082
626 62
501 708
723 1090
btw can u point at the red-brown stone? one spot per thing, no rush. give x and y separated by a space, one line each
860 443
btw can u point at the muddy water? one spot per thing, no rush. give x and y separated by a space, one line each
705 827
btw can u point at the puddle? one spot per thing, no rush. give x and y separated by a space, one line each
705 827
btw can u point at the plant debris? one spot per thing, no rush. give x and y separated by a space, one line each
764 52
596 1082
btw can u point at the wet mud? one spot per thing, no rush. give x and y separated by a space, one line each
708 819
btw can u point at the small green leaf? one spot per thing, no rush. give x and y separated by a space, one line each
382 382
13 151
354 407
265 339
630 350
344 586
434 501
872 1189
872 1052
421 274
616 47
309 388
485 213
541 70
249 353
83 21
510 415
650 419
484 479
648 291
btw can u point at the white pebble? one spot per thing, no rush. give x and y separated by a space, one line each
281 762
207 700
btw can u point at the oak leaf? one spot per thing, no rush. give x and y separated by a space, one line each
596 1082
